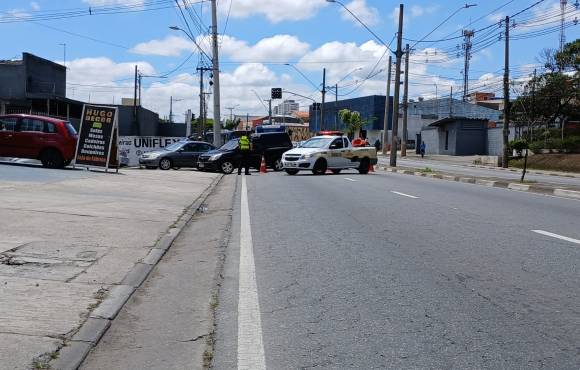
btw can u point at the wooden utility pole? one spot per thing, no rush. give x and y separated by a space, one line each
387 108
398 55
506 96
405 103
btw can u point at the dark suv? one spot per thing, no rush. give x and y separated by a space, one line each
52 141
269 145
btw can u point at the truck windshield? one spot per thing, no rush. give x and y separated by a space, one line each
317 142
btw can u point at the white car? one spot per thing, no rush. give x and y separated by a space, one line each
335 153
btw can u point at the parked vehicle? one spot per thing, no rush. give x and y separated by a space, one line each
180 154
271 146
50 140
329 152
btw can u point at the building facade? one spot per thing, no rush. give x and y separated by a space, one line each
286 108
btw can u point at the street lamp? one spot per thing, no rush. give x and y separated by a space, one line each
175 28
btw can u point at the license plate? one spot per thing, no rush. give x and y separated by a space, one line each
200 165
290 165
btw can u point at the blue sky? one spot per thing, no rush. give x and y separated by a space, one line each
262 35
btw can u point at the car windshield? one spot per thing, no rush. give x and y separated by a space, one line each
230 145
317 142
173 147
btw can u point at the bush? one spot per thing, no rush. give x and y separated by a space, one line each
536 146
519 145
554 144
571 144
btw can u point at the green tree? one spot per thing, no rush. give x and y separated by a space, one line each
232 125
552 95
353 121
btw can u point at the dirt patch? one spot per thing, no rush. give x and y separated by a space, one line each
551 162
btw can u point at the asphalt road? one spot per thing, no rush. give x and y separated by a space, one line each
483 172
388 271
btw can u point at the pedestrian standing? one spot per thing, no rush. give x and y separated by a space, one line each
244 144
422 148
378 145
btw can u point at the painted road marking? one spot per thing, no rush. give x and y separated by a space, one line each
349 179
250 345
405 195
547 233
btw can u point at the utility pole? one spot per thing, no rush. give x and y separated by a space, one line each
563 4
135 98
216 77
200 120
451 103
387 108
270 111
336 106
467 34
398 55
171 109
323 98
405 103
506 95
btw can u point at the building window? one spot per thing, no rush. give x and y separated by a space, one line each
446 140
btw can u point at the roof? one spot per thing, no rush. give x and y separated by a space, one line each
446 120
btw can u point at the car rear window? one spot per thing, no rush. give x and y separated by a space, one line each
70 128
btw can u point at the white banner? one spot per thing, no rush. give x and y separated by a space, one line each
131 147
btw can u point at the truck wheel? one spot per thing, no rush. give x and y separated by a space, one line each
51 158
363 169
320 167
336 172
291 172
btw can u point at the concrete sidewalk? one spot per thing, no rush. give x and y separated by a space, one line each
68 245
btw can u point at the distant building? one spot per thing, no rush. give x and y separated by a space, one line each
287 107
488 100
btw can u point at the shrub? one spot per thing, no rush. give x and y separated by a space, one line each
571 144
519 145
536 146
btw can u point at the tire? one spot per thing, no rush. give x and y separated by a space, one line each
165 164
227 167
51 158
363 169
278 165
320 167
291 172
336 172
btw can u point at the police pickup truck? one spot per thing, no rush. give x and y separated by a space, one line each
335 153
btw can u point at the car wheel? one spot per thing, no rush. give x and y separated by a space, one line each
278 165
227 167
319 167
336 172
363 169
165 164
291 172
51 158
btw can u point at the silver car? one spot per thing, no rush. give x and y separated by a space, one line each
176 155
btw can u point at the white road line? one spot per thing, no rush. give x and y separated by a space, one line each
571 240
405 195
250 344
349 179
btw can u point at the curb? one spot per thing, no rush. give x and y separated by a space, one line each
564 193
76 349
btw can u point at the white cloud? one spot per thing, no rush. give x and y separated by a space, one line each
369 15
278 48
34 6
15 13
414 11
275 11
171 46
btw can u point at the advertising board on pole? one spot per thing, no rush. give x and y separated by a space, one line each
99 127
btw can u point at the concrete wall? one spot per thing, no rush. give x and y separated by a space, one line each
431 138
44 77
495 141
452 142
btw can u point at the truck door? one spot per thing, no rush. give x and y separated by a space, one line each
335 159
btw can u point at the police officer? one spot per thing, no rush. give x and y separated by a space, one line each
245 151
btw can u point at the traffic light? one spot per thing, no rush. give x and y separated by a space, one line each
276 93
316 106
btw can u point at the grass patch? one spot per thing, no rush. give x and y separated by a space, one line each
426 170
550 162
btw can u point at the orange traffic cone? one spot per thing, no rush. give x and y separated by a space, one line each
263 168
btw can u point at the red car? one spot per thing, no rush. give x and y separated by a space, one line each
52 141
